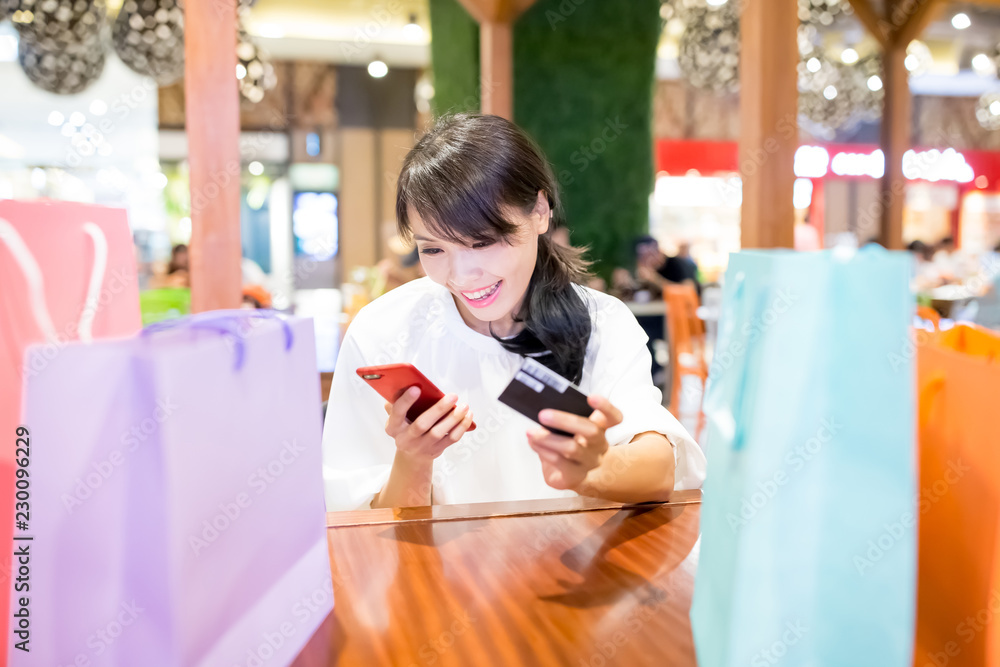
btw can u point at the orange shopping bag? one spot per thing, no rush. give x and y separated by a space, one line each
958 591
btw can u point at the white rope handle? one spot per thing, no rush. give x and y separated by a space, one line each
36 282
91 305
33 274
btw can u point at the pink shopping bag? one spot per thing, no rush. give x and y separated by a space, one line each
67 272
177 508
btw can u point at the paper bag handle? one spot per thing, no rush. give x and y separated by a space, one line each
743 395
928 393
735 406
217 320
36 281
92 303
33 275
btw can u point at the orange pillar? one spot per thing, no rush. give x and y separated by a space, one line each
213 132
496 52
496 75
769 133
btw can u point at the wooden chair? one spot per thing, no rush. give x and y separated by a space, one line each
931 315
686 334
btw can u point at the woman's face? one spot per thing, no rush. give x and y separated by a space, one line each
488 280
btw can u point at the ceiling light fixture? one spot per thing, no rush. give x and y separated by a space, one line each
412 29
377 69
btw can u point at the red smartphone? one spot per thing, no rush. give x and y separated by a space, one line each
391 380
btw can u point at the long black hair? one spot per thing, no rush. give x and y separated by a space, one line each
459 179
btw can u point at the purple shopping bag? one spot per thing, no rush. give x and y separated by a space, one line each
176 498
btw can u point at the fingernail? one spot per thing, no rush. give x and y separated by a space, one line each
414 391
451 398
461 407
544 415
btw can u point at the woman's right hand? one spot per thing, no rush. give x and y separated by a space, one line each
440 426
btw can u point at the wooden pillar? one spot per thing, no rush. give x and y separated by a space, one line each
898 25
895 138
359 198
769 134
213 131
496 68
496 52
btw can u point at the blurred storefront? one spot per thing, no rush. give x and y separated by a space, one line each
949 193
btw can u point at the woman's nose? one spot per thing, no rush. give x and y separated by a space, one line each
465 271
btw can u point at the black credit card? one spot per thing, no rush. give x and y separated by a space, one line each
536 388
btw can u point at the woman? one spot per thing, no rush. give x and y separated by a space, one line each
480 201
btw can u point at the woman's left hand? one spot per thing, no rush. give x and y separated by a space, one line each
567 460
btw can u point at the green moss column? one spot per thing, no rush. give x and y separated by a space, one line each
454 58
583 88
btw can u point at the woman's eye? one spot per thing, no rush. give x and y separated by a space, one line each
482 244
430 251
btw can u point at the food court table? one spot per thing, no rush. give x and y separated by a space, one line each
574 581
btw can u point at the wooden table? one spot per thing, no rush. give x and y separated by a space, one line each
574 581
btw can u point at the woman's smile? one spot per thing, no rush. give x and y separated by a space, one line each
481 298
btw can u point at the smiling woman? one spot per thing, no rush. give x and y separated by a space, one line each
478 197
481 201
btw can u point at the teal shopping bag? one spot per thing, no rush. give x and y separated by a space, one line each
808 552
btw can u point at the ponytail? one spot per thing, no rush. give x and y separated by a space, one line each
556 319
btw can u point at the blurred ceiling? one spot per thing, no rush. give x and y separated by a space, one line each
359 31
952 49
344 31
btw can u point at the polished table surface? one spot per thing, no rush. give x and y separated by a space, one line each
574 581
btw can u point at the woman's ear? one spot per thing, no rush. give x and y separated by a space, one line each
542 213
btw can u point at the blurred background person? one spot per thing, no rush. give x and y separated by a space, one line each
623 284
926 274
255 297
806 236
655 270
178 270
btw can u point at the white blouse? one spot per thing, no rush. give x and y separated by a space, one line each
419 323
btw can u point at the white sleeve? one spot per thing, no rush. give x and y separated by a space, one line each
622 373
357 452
